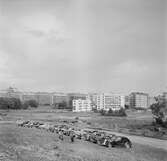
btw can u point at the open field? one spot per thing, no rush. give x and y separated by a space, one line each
137 123
24 144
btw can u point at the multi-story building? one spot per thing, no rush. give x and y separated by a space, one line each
108 101
92 97
29 96
139 100
75 96
59 98
127 101
43 98
164 95
81 105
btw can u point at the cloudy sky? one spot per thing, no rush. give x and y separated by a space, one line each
83 45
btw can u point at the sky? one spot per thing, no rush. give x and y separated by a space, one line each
83 45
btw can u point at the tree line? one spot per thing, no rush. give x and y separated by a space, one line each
15 103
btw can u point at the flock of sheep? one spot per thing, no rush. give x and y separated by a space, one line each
94 136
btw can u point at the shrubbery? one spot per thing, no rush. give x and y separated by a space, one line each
159 111
30 103
15 103
62 105
10 103
111 112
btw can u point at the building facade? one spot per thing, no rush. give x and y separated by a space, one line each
59 98
43 98
108 101
75 96
82 105
139 100
164 95
92 97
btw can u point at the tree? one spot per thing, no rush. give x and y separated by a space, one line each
61 105
111 112
30 103
127 106
159 110
102 111
10 103
25 105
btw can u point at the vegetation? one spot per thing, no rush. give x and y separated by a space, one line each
10 103
111 112
24 144
15 103
159 111
30 103
61 105
127 106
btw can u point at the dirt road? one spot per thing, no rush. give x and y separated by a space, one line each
156 143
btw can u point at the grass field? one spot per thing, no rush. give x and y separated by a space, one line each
24 144
137 123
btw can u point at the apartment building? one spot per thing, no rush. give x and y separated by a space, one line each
108 101
164 95
139 100
75 96
59 98
92 97
81 105
43 98
25 96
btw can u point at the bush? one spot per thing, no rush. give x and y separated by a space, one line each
76 118
10 103
95 110
30 103
25 105
61 105
159 111
15 103
102 112
111 112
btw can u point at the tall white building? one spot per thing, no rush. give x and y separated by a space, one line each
108 101
81 105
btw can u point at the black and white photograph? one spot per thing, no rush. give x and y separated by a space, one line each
83 80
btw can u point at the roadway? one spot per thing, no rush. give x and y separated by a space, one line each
156 143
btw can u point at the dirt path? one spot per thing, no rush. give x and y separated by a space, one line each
156 143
